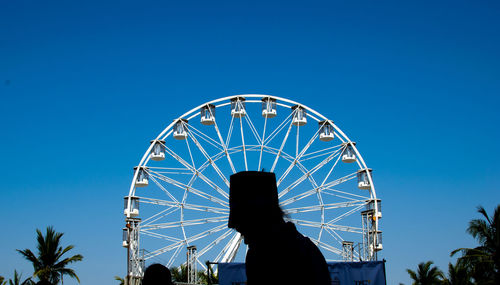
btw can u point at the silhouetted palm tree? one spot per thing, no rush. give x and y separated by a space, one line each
49 264
426 275
483 260
17 280
458 274
179 274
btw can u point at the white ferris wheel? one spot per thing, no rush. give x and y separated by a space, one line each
178 198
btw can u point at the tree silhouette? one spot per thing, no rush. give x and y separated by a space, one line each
483 260
426 275
458 274
179 274
49 264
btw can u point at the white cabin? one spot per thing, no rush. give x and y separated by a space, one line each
207 114
125 237
348 155
158 150
269 107
326 132
363 179
142 179
238 107
299 116
378 242
375 205
133 210
180 129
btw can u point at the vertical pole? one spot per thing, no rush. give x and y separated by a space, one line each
209 276
127 278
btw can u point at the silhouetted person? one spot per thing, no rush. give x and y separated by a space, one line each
277 252
157 274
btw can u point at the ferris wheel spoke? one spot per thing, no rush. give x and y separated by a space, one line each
206 233
179 159
190 154
331 170
213 185
316 189
308 174
172 170
334 235
186 206
206 138
174 256
230 131
326 246
278 129
161 187
243 144
224 146
278 154
320 234
301 167
214 242
327 226
197 192
298 156
226 247
160 236
253 129
290 159
349 196
160 215
321 152
195 172
162 250
262 143
325 207
317 156
186 241
232 248
215 167
346 214
185 223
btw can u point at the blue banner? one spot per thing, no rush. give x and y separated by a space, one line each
357 273
232 273
341 273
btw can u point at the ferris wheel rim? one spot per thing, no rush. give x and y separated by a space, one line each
145 158
194 112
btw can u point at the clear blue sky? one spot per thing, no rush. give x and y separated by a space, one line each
85 85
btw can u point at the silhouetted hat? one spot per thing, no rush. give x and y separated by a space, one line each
251 192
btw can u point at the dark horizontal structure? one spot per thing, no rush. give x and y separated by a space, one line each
358 273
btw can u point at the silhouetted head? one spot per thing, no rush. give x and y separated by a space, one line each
157 274
253 202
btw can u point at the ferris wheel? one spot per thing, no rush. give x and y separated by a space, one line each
178 199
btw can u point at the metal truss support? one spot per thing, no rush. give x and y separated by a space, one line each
347 251
191 265
135 260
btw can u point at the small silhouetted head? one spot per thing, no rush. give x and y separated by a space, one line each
157 274
253 200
